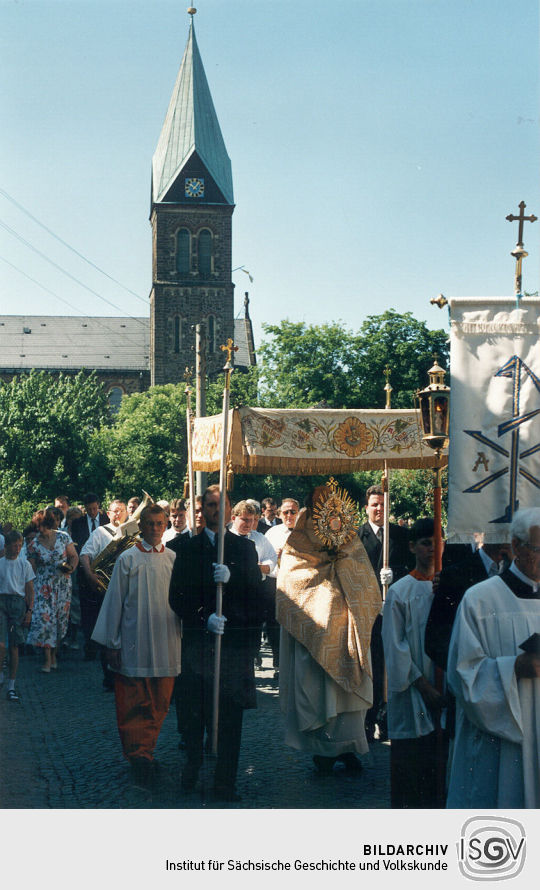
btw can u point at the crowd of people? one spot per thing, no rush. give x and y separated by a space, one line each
447 668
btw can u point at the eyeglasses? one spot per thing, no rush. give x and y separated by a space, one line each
532 547
291 512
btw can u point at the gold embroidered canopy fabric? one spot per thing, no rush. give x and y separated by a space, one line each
310 441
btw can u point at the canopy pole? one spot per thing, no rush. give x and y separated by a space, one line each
191 475
386 493
230 348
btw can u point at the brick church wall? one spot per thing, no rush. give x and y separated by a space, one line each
177 303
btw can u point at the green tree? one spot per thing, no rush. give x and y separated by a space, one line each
47 425
406 346
304 365
411 491
146 446
244 391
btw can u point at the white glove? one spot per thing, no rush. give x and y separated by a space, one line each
216 623
386 576
221 573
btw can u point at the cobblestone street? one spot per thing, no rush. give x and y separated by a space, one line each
60 749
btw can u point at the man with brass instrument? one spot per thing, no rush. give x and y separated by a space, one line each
101 537
96 543
81 529
142 637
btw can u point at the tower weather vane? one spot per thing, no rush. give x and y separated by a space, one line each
519 252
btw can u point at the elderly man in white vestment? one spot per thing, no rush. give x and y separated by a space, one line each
496 760
327 600
141 634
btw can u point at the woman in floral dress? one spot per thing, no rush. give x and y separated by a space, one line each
54 558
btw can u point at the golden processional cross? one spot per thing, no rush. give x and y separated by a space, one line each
230 349
519 252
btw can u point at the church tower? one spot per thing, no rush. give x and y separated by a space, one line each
191 218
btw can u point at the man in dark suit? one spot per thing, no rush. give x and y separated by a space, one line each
269 517
399 559
193 598
81 529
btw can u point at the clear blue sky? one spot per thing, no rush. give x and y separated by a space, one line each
377 147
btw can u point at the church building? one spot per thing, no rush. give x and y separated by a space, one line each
191 219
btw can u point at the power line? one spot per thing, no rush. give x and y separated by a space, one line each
76 252
65 272
125 337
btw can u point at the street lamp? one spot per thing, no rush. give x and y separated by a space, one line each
434 403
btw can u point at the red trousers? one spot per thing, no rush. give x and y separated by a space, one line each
142 704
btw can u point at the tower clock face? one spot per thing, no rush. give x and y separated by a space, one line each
194 187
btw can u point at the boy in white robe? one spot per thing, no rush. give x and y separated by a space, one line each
142 636
413 702
496 758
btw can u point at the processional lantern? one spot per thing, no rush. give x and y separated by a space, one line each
435 417
435 409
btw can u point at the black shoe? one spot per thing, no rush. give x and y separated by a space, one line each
190 774
352 764
229 795
12 695
324 765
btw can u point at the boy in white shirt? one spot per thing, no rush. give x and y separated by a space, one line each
16 604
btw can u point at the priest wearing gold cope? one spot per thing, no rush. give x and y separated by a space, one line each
327 600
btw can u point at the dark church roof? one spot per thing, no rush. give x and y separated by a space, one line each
62 343
191 132
59 342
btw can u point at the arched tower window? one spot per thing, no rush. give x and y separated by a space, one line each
205 252
211 328
183 250
180 334
114 397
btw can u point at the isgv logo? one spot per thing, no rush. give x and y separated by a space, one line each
491 848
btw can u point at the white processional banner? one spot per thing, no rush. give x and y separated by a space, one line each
494 459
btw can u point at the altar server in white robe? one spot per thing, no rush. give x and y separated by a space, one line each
414 704
496 760
142 636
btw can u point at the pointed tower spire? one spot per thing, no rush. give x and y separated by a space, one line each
191 163
191 217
